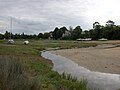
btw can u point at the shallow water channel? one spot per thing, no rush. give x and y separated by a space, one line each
103 81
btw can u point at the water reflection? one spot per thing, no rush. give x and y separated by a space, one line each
103 81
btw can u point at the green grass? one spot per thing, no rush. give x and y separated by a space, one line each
34 71
13 76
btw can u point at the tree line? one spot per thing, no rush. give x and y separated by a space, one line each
109 31
9 35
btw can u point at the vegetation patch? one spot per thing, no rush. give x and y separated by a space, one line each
23 68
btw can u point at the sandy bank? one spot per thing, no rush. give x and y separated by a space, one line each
96 59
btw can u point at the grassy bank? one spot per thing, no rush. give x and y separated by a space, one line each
23 68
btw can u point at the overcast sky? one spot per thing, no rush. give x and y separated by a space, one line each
35 16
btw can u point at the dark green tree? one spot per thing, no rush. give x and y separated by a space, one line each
110 29
7 35
97 30
110 23
1 36
63 29
40 35
95 24
17 36
54 34
116 35
57 33
76 33
46 35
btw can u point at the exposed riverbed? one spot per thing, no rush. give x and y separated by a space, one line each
103 81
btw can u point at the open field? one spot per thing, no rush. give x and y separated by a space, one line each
24 63
103 58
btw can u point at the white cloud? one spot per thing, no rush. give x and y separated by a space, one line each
44 15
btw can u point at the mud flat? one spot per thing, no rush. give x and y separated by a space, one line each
102 81
103 58
99 65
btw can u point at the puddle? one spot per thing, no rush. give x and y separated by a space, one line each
103 81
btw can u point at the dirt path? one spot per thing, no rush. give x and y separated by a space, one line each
100 58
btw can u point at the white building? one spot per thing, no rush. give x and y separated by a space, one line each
66 34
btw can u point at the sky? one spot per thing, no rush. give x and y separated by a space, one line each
39 16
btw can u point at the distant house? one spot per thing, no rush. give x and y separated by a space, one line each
66 34
51 36
82 32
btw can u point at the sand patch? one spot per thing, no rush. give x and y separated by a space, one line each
100 59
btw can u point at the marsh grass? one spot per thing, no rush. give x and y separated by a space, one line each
23 68
69 77
12 75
